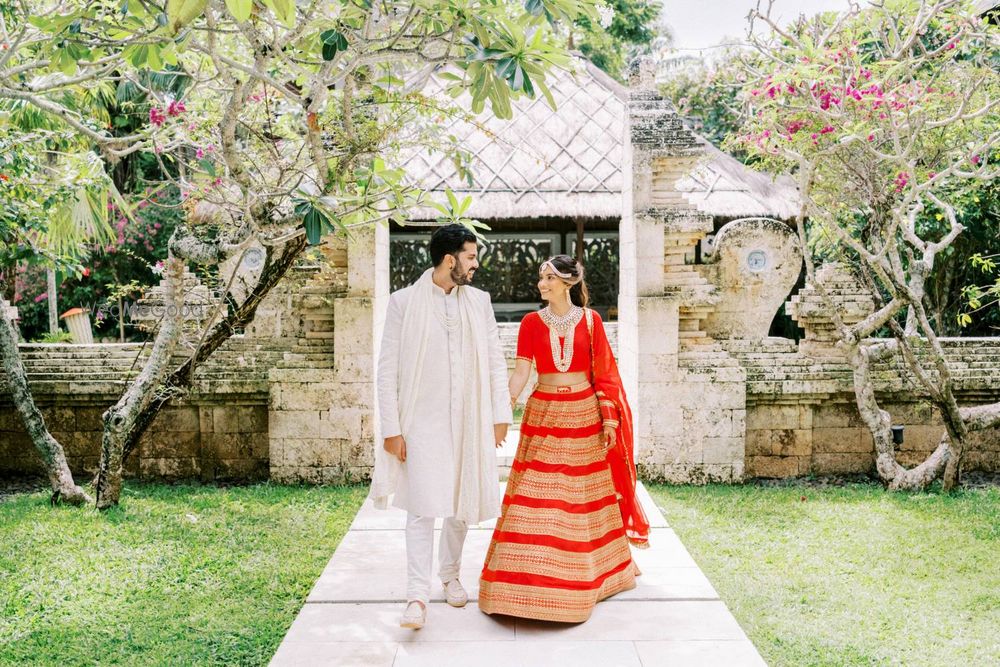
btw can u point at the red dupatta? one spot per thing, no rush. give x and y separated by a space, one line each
608 384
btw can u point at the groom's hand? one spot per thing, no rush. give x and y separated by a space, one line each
500 432
396 446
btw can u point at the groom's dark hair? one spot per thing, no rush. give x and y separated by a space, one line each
449 240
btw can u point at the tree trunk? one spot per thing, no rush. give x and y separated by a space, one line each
63 487
125 422
239 317
879 423
120 419
8 282
53 300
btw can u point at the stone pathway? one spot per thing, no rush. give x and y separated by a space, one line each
673 616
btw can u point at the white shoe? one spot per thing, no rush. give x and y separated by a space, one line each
414 616
455 594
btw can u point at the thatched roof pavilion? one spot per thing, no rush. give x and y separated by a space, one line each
550 181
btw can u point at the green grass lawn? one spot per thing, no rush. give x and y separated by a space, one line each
178 575
853 575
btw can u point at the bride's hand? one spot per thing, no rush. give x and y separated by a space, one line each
609 437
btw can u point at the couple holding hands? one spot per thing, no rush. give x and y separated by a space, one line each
445 401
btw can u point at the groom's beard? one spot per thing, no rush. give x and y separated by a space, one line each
460 278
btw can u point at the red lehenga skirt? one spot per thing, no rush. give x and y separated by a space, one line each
559 546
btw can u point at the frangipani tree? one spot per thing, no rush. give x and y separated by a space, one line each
54 202
286 131
882 112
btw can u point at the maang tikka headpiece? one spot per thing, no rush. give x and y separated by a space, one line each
568 277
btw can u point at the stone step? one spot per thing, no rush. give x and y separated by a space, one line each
79 377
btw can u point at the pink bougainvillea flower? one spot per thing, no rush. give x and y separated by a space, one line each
156 116
902 178
975 159
871 137
175 108
199 153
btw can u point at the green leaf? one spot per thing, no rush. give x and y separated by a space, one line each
440 207
240 9
137 54
182 12
43 24
168 53
534 7
506 67
66 63
333 42
316 224
208 165
153 58
284 10
547 93
521 82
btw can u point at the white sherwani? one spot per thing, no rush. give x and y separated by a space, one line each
428 482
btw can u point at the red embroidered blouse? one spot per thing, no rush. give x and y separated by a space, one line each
533 344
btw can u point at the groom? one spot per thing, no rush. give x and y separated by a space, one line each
444 406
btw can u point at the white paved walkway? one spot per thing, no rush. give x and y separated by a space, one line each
673 617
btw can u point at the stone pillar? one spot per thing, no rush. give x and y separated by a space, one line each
353 406
688 396
322 393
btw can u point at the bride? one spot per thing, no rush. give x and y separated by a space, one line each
570 510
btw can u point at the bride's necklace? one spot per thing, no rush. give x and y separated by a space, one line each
561 326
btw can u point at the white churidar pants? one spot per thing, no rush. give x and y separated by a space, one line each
420 553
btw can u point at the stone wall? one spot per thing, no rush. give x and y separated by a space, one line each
217 432
802 417
794 414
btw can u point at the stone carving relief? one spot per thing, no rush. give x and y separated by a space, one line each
754 264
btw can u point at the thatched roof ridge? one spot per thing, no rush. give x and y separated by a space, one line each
541 163
568 162
724 187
